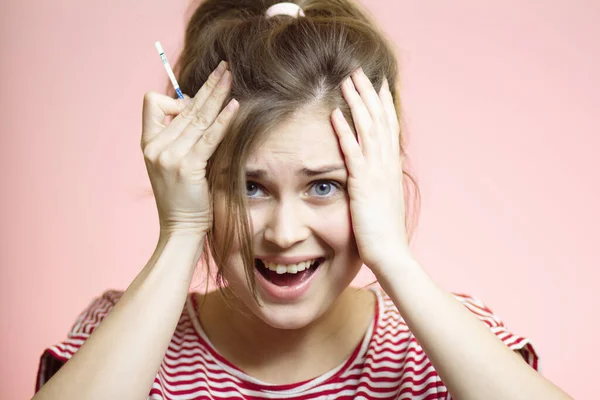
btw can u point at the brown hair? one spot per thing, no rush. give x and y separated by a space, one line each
279 66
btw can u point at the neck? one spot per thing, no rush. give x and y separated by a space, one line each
255 347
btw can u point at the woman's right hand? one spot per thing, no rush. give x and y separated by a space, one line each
176 155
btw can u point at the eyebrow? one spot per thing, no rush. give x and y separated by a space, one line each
307 172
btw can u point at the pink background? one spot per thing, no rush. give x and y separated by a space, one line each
501 100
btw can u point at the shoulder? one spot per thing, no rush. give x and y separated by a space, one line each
92 315
395 355
95 312
85 323
55 356
391 323
479 309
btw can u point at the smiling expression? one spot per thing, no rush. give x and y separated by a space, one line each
297 206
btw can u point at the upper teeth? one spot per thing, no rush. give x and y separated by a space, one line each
290 268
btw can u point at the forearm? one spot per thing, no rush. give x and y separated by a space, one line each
472 362
122 356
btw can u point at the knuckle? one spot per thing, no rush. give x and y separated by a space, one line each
212 81
210 138
190 111
222 89
149 152
381 120
165 160
200 121
216 96
183 167
150 97
222 120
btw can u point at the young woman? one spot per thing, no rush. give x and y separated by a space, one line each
285 168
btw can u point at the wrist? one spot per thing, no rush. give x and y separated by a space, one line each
188 235
183 241
390 267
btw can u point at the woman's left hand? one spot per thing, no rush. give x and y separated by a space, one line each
374 167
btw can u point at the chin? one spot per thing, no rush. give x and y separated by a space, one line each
296 301
287 317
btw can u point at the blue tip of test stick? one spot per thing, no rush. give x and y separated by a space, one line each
179 94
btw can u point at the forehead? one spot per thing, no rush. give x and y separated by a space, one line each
307 138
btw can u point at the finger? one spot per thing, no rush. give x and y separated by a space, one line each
155 108
204 120
181 121
186 100
353 154
360 114
388 104
369 96
205 147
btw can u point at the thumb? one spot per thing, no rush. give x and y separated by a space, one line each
186 99
159 109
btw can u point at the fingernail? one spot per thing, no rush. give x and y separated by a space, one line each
349 84
225 79
385 85
232 105
220 70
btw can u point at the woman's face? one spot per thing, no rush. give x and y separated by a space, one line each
298 206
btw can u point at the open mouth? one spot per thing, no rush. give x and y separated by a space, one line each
285 276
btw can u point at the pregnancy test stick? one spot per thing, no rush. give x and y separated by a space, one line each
168 68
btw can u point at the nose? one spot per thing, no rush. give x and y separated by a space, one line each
285 226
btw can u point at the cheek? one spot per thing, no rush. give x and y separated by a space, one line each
335 228
334 225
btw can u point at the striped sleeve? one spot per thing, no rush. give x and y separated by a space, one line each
513 341
54 357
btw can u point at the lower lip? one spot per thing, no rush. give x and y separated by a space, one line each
287 293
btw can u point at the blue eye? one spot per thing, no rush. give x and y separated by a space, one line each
251 189
325 188
322 189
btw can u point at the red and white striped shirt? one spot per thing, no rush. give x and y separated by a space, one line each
387 364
